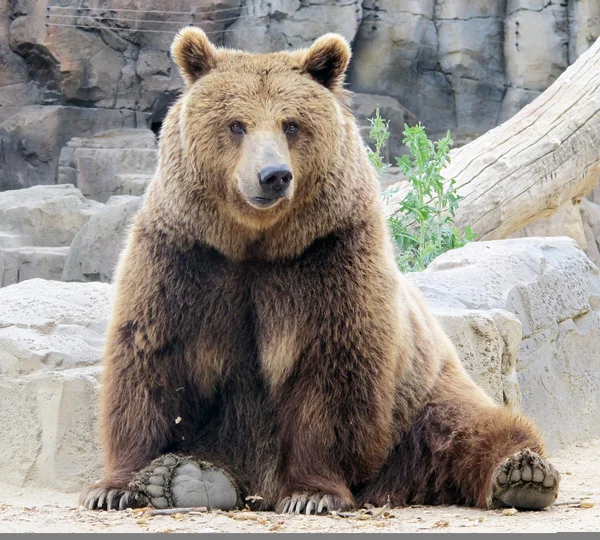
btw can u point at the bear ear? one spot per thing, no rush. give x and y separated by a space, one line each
193 53
327 59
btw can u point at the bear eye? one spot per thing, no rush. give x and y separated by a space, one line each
291 129
237 128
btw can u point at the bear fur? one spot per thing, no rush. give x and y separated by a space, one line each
281 344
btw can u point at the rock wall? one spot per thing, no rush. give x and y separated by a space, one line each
467 66
72 71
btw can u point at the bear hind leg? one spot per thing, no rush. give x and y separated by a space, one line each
460 451
174 481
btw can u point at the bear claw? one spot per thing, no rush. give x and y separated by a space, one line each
302 503
525 481
106 498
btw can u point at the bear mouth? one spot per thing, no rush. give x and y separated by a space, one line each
264 202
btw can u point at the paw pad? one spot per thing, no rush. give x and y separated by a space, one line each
176 482
525 481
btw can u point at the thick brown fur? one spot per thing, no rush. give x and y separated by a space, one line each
285 340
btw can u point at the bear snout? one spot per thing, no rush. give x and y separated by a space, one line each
275 181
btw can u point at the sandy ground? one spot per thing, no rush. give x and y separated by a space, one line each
32 510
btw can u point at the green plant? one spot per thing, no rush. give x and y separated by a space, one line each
379 133
423 224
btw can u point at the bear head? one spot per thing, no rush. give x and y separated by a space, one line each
261 129
261 154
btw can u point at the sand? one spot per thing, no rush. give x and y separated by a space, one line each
33 510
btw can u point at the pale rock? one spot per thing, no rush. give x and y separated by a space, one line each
524 315
487 342
133 184
553 289
584 25
95 250
594 196
32 138
50 216
21 263
581 222
536 43
14 239
590 217
51 340
566 221
96 164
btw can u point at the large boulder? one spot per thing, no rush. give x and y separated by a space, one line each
96 165
46 215
22 263
552 290
581 222
37 226
51 339
566 221
487 342
95 249
133 183
32 137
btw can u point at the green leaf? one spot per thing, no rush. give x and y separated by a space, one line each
423 225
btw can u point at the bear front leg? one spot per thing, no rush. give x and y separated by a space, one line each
139 407
335 416
329 339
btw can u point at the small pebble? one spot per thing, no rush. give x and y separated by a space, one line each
586 503
442 523
509 511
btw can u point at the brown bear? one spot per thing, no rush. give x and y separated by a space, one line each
264 347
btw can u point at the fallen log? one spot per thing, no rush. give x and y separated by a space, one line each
543 157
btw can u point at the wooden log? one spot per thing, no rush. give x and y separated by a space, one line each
543 157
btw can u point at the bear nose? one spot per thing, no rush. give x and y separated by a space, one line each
274 180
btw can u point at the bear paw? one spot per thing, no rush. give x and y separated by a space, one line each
525 481
109 498
172 481
304 503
